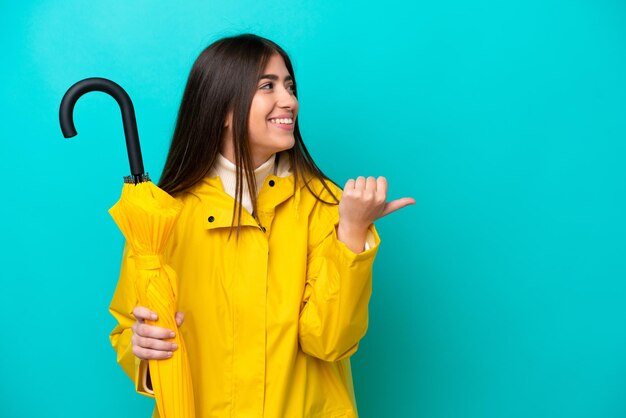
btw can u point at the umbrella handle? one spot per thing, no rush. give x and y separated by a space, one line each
66 116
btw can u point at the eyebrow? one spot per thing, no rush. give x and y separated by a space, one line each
274 77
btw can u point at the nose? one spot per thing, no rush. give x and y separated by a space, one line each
287 99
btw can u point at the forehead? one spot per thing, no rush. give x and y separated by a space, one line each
276 65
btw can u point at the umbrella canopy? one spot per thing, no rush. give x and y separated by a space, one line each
146 216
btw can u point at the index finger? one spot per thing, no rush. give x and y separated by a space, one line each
142 313
152 331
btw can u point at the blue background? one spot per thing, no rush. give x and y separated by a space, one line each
500 294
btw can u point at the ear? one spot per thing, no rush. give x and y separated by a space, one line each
229 119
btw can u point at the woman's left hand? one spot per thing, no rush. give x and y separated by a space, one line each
363 201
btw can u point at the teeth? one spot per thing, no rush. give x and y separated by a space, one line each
282 120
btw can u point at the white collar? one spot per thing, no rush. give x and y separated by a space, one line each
227 172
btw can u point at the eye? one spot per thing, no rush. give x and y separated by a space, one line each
266 86
291 88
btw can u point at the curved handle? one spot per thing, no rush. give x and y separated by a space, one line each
66 116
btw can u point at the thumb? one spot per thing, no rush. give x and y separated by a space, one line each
394 205
180 318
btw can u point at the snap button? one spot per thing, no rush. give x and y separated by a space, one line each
272 183
211 218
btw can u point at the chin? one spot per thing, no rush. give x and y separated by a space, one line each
286 145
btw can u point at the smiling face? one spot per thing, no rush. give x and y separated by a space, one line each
273 112
272 117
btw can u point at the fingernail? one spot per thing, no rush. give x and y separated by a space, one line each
169 354
172 335
153 316
174 346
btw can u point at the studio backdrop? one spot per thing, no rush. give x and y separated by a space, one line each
501 293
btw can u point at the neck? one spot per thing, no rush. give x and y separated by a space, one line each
227 171
228 152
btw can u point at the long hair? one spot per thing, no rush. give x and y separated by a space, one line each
223 78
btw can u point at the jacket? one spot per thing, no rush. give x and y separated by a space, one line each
271 316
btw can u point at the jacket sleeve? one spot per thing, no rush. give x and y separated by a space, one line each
334 312
122 305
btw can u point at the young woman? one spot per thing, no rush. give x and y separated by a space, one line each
274 261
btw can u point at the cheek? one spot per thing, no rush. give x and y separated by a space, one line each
256 130
259 111
257 118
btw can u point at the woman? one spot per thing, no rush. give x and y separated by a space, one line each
274 264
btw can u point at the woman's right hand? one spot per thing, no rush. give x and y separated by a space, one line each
147 339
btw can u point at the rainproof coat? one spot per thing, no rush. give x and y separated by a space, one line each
271 318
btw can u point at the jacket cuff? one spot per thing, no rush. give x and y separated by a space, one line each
372 241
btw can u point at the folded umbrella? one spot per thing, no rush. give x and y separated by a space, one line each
146 215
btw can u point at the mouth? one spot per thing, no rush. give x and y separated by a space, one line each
283 123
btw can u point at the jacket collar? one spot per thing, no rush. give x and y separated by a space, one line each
218 205
227 172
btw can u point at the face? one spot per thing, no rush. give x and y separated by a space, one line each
273 112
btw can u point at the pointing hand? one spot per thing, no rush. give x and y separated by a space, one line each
364 201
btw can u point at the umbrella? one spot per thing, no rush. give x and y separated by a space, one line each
146 216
